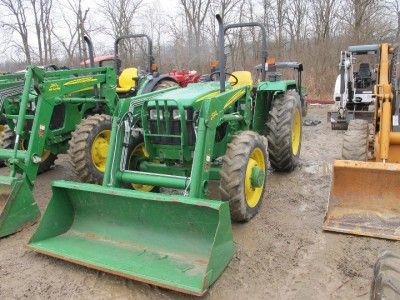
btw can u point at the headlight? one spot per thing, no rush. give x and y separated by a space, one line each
153 114
176 114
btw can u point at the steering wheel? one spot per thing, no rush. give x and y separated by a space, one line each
212 75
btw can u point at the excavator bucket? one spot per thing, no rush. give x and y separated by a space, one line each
365 199
176 242
17 205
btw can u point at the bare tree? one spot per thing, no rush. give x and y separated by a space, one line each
296 17
74 44
17 22
322 14
195 12
120 15
393 6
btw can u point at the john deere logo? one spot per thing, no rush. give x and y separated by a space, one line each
80 80
54 87
214 114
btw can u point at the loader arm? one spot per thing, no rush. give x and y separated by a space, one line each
17 205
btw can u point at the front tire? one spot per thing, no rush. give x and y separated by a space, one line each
356 141
88 148
243 175
386 280
285 131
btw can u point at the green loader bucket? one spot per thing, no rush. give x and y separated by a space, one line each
176 242
18 208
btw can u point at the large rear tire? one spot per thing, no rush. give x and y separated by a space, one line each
243 175
7 140
88 148
284 133
356 141
386 281
164 84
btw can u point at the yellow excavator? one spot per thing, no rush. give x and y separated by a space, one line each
365 190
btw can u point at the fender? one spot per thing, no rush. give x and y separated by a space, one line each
153 82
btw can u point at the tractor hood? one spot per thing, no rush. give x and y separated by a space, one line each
190 96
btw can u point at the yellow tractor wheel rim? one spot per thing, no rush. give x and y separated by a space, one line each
45 155
140 151
296 132
99 149
253 194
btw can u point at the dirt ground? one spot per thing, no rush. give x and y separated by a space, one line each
281 254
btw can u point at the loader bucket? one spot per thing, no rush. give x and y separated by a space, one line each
18 208
176 242
365 199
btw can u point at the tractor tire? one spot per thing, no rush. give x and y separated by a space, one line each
357 124
137 152
164 84
88 147
246 149
386 280
7 140
284 131
356 141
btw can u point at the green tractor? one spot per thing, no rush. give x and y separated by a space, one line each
89 142
44 111
209 131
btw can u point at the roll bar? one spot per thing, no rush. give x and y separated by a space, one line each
221 42
134 36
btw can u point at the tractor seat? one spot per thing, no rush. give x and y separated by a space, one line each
244 78
364 75
127 80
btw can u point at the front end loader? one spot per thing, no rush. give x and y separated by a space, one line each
42 125
208 131
364 196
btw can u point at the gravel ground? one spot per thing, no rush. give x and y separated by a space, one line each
281 254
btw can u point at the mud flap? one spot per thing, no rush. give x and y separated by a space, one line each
364 199
18 208
175 242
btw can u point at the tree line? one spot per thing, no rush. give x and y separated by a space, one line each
184 32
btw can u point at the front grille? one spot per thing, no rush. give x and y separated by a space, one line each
171 127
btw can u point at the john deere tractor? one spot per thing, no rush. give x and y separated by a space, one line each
187 138
90 140
42 110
